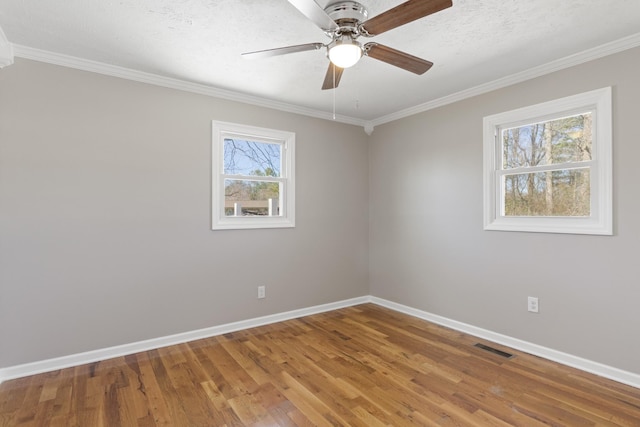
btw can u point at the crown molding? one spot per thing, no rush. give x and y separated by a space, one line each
541 70
172 83
368 125
6 50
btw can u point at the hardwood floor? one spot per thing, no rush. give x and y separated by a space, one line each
360 366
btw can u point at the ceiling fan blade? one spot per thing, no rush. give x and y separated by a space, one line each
403 14
282 50
314 12
395 57
332 78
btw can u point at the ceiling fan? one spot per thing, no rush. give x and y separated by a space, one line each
345 21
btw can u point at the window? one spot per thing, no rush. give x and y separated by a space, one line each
547 167
252 177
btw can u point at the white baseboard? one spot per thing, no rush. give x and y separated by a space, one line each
48 365
596 368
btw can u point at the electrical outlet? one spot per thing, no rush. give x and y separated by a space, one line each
532 304
262 292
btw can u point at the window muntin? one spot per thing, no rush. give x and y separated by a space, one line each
547 167
252 177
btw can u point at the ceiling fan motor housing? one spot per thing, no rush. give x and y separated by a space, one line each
348 15
344 22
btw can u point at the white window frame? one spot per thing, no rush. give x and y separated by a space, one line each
287 140
600 222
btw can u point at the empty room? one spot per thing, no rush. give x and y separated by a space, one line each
319 213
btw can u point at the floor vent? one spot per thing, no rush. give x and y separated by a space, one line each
494 350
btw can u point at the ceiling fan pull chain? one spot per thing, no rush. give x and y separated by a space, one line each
334 92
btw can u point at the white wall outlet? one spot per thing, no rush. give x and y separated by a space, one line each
532 304
262 292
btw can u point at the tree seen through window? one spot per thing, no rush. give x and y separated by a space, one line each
252 163
558 146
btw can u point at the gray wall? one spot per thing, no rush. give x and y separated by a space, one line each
428 249
105 213
105 209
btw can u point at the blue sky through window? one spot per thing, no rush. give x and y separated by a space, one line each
252 158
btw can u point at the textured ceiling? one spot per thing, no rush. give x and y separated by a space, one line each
200 41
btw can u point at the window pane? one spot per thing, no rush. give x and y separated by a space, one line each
251 198
557 141
554 193
251 158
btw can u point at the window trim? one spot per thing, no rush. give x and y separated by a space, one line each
219 221
600 222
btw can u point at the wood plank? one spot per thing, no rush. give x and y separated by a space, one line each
359 366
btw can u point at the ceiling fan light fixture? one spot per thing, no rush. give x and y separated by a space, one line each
345 52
